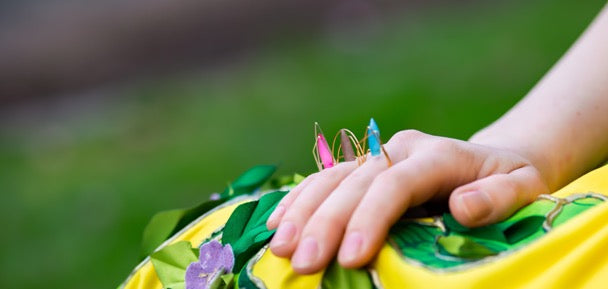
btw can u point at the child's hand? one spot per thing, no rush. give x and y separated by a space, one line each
350 209
560 127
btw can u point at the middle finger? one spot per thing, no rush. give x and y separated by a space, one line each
322 233
286 236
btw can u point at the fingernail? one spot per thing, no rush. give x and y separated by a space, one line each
306 253
477 205
351 247
284 234
276 214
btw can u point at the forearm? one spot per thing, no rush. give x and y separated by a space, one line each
561 126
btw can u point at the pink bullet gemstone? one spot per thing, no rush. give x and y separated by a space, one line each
324 152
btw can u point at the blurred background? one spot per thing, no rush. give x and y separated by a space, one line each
113 110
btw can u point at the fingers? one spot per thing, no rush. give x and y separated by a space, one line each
322 232
352 209
279 211
304 205
409 183
494 198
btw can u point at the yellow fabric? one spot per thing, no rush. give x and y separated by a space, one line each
573 255
594 181
276 273
145 277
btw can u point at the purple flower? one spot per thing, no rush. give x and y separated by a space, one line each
214 261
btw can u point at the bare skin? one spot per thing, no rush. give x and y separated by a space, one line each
556 133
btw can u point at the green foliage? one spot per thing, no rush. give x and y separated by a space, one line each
225 281
246 228
463 247
171 263
417 242
249 181
243 280
93 177
429 245
165 224
338 277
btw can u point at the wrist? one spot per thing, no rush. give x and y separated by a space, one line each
539 159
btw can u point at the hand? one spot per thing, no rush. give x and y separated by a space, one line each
350 209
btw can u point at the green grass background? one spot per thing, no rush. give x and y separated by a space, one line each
75 195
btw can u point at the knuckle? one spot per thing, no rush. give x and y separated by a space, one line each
362 221
355 176
335 173
359 172
407 135
297 211
386 179
286 201
535 175
443 146
313 176
538 185
331 218
329 174
512 186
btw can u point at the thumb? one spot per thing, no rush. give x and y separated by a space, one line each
496 197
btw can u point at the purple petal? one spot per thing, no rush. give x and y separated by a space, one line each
215 196
216 258
196 277
227 258
210 254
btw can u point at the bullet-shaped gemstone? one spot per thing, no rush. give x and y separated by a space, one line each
347 147
373 138
327 159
